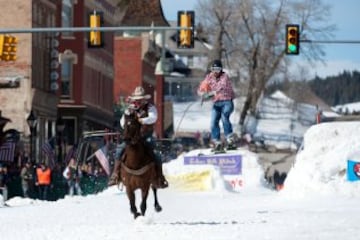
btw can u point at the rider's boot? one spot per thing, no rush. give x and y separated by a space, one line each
115 176
231 142
161 182
218 146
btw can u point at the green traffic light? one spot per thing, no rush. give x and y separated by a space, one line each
292 48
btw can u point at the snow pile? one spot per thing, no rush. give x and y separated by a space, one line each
181 174
321 166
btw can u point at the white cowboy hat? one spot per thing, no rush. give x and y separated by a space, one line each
139 93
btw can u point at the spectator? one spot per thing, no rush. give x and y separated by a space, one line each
88 178
4 178
73 175
27 177
43 180
101 179
197 135
217 86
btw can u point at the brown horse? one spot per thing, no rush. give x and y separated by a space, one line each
137 167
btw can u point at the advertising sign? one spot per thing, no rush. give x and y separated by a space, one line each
228 164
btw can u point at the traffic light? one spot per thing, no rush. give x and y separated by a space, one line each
1 44
8 47
95 37
185 37
292 39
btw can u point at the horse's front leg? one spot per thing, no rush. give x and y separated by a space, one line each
131 195
144 195
157 206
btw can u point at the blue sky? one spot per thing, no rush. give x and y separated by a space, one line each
345 14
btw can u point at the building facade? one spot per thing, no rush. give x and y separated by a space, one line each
32 69
57 77
86 74
136 56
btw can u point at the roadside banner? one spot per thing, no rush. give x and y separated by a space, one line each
194 181
228 164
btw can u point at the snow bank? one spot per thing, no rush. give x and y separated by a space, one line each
321 166
208 177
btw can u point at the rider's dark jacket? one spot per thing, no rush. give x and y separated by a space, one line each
147 116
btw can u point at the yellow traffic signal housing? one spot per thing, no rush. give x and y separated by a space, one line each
8 47
1 44
95 39
185 37
292 39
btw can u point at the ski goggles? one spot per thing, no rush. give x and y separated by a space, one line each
216 69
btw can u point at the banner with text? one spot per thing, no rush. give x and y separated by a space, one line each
228 164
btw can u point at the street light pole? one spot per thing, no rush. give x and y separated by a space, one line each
60 126
32 122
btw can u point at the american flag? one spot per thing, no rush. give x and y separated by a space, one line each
104 161
7 151
49 151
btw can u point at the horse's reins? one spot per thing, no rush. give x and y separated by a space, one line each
137 172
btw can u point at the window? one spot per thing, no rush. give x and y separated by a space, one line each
67 16
66 78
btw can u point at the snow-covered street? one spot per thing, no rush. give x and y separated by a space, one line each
317 201
260 214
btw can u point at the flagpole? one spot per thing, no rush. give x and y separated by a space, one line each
91 156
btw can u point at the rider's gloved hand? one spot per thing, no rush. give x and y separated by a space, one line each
127 112
208 95
140 120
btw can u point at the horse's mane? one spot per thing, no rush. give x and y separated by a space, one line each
136 153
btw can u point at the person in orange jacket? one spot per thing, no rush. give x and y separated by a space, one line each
43 180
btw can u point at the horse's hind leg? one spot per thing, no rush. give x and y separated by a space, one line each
144 194
157 206
133 209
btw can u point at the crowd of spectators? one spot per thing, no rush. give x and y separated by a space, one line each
39 181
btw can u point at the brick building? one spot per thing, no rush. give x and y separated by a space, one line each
61 80
57 76
32 69
136 56
86 78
